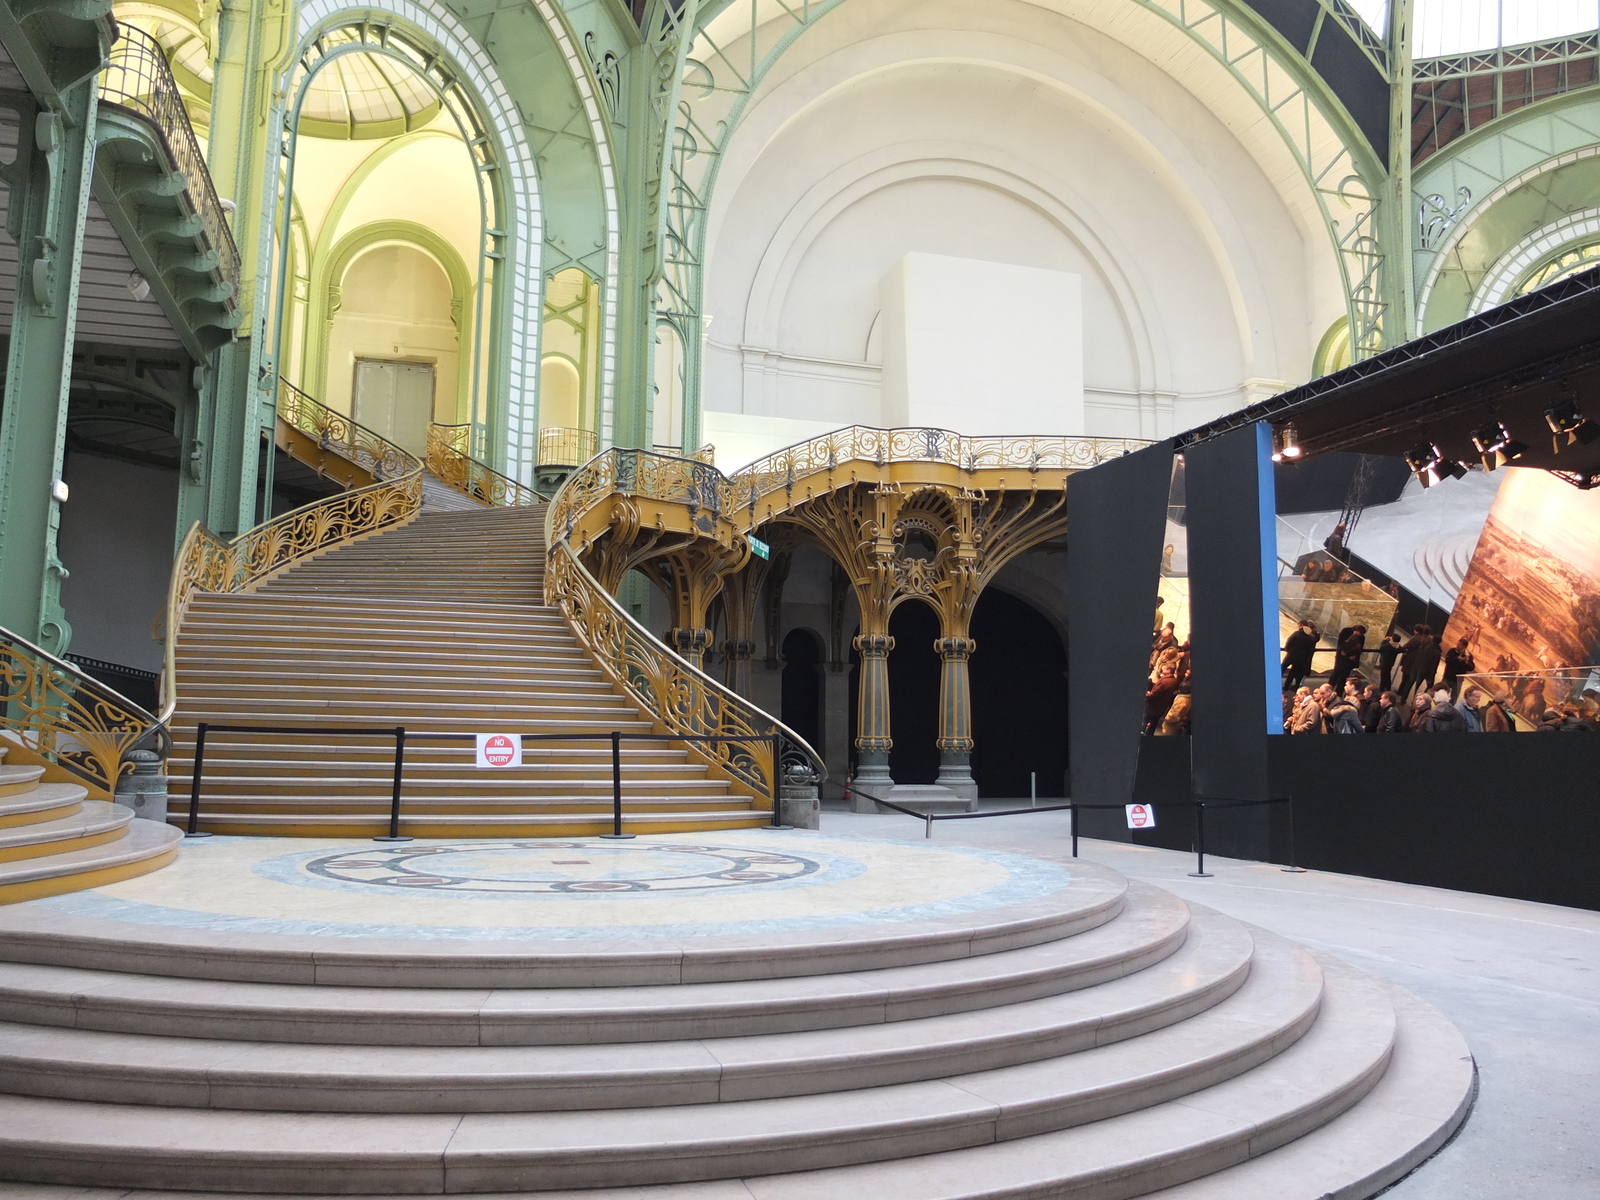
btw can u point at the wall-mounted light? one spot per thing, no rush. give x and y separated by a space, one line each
138 286
1567 422
1496 446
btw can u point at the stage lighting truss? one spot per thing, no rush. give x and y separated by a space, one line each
1430 465
1285 443
1568 425
1496 446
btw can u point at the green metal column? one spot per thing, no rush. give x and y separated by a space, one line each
1400 219
639 262
191 426
49 202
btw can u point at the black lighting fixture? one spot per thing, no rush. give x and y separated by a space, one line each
1496 446
1285 443
1566 422
1430 465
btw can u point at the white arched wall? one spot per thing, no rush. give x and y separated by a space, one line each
993 129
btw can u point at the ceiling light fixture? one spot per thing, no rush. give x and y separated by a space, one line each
1430 465
1496 446
1285 443
1567 422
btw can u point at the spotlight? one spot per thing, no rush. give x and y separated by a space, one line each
1430 465
1496 446
1285 443
1563 417
1451 468
138 286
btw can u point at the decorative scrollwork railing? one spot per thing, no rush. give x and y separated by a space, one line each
560 447
682 699
51 708
449 461
137 77
206 563
704 488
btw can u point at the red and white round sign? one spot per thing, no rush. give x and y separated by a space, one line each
499 750
1141 816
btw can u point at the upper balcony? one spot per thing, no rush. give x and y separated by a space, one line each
150 176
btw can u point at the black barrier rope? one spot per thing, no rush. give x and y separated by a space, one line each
615 737
1199 804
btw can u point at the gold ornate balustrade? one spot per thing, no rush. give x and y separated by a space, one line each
449 459
53 713
206 563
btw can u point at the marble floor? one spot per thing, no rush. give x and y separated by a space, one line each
1520 980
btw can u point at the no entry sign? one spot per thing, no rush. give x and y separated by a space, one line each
499 750
1141 816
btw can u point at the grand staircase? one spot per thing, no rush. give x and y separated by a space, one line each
437 625
1124 1046
54 839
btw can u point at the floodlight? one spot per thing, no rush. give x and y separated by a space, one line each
1564 418
1496 445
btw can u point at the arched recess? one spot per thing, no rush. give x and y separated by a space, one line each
509 293
328 272
1544 246
710 84
1333 350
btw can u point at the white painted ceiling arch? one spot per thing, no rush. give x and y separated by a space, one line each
1185 197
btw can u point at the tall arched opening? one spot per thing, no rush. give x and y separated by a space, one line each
1019 698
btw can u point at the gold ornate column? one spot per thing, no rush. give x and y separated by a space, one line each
955 715
692 576
873 742
741 594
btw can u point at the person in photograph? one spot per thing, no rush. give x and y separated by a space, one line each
1177 719
1388 652
1352 643
1442 716
1417 664
1166 640
1458 661
1298 652
1307 714
1470 706
1160 616
1334 544
1497 717
1389 717
1158 700
1370 708
1339 713
1417 722
1167 552
1312 571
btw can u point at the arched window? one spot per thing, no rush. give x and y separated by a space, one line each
1569 262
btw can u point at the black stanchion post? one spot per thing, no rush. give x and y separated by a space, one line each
394 799
1293 868
1073 809
777 779
616 833
194 782
1200 871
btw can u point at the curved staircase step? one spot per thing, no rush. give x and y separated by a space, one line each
1092 897
145 847
44 802
966 1143
19 780
1152 926
94 823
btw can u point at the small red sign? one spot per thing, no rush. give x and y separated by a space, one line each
499 750
1141 816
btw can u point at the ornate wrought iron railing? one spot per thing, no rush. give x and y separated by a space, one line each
448 460
566 447
683 700
704 488
51 708
206 563
137 77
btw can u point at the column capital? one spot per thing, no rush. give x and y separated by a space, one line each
873 645
954 649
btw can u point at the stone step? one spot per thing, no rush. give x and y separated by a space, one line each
980 1141
144 847
425 757
1265 1015
382 687
42 802
1092 897
19 780
1152 926
562 823
94 823
283 793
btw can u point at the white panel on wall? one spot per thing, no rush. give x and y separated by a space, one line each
982 347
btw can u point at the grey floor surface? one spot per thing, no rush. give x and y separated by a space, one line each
1520 980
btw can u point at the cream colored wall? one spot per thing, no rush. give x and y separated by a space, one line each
1006 132
395 305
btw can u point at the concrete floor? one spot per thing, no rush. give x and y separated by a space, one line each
1520 980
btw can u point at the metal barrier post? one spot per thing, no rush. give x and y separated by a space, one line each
1292 868
777 795
394 800
194 782
1200 871
1073 809
616 833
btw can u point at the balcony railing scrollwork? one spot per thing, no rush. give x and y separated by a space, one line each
138 77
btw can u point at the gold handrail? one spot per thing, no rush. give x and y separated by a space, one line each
682 699
448 459
206 563
66 717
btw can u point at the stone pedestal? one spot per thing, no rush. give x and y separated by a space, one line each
872 773
955 773
144 789
800 805
932 798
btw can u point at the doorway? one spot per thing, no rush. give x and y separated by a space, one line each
802 686
395 400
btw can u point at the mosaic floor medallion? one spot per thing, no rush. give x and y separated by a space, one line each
559 868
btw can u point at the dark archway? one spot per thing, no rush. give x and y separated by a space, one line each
914 694
802 686
1019 699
